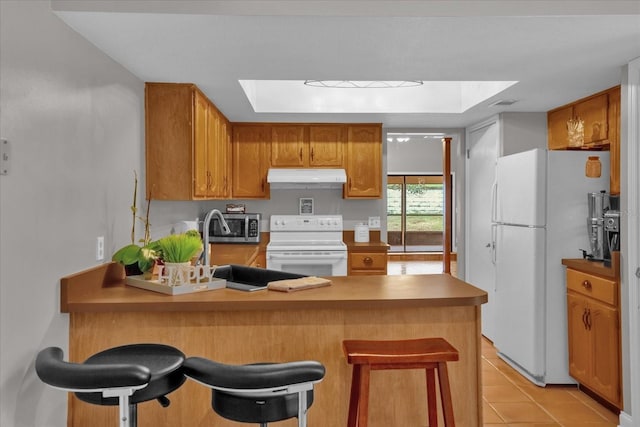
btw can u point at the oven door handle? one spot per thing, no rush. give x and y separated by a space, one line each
292 257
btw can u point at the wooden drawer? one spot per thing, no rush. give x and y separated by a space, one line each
596 287
368 261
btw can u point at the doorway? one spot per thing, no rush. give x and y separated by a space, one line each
415 213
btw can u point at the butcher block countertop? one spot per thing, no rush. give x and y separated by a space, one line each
102 289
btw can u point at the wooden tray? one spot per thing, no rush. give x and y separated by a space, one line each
156 286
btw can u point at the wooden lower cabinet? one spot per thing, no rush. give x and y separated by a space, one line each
594 334
260 259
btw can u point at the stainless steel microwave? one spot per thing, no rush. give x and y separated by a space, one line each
245 228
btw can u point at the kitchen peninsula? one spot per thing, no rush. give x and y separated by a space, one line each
237 327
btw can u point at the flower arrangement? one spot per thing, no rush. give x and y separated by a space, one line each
142 255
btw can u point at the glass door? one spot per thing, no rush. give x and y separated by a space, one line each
415 213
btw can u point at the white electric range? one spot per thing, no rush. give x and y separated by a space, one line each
307 244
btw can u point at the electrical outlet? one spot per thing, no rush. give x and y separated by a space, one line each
374 222
100 248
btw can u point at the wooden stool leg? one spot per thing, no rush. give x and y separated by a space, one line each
363 406
445 395
432 401
354 398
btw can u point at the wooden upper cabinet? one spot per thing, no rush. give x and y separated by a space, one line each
202 135
251 159
614 139
301 146
595 115
212 154
601 115
289 146
219 156
558 135
600 123
326 144
181 138
364 161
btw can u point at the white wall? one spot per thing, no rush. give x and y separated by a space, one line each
75 122
74 119
522 132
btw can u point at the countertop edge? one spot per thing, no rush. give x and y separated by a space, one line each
102 289
595 267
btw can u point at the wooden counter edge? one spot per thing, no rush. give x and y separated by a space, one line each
595 267
81 292
90 280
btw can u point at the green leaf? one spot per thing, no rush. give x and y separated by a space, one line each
127 255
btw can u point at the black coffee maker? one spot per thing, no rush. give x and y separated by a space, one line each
611 234
603 226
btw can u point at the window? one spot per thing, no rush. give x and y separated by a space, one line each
415 213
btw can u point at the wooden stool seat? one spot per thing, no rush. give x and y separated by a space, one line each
430 354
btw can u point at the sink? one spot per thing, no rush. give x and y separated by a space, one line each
250 279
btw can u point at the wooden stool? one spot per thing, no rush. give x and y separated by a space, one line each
426 353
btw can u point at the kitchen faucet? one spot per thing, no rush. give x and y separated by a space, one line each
205 232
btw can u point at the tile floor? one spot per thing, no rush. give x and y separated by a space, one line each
510 400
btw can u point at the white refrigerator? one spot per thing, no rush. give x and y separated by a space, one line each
539 217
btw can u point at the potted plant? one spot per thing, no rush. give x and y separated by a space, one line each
138 258
177 252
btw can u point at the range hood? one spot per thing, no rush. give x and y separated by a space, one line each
285 178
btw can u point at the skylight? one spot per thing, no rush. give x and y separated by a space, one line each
293 96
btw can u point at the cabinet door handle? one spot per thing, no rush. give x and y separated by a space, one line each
262 184
367 260
589 318
301 154
584 318
586 284
312 154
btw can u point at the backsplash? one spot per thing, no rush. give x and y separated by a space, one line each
283 202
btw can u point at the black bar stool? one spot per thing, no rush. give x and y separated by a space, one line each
258 393
123 376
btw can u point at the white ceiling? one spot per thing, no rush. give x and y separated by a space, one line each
558 51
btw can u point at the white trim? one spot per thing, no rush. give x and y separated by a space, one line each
625 420
630 186
493 120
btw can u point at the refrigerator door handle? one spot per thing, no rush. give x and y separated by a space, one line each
494 231
494 201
